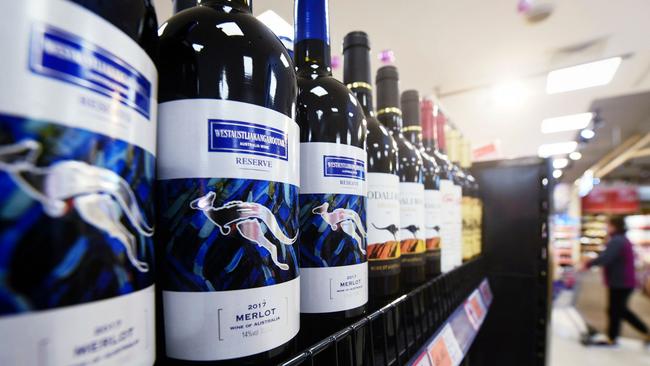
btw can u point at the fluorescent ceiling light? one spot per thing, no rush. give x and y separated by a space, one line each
582 76
558 148
557 173
560 163
587 134
576 155
510 93
567 123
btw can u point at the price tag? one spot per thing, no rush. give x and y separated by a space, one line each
445 351
423 360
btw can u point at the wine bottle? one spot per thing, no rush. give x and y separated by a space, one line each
227 188
180 5
412 130
333 264
435 143
411 173
78 103
383 220
452 142
472 201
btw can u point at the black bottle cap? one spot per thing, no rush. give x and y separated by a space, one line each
410 102
356 38
356 60
387 87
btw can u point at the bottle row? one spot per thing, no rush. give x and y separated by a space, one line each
269 203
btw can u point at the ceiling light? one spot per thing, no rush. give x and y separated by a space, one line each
576 155
587 134
557 173
558 148
510 93
582 76
560 163
569 122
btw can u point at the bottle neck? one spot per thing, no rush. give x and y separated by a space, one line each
414 135
312 43
180 5
244 6
391 118
429 144
363 92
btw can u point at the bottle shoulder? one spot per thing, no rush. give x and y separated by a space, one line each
206 53
381 148
327 111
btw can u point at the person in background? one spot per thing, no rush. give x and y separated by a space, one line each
617 261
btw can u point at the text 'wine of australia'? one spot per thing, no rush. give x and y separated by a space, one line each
411 175
383 220
333 265
227 188
78 102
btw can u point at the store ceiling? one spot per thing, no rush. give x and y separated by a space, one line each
460 49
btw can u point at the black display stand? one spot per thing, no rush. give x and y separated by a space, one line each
516 201
404 331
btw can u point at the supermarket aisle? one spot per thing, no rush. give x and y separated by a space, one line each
566 349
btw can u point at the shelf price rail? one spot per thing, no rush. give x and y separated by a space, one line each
401 332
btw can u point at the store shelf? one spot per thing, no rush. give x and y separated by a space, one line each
453 340
398 332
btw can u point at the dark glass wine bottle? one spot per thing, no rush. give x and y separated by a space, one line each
383 182
77 170
228 178
333 264
412 130
180 5
411 173
433 131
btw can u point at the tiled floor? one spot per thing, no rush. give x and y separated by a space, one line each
566 350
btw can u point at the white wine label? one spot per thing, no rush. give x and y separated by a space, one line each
330 289
219 325
332 168
333 232
205 138
450 235
78 116
432 207
412 229
73 68
383 217
228 190
117 331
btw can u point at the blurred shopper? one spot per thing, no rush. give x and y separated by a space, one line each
617 261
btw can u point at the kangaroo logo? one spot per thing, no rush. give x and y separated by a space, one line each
246 217
99 195
436 228
345 219
413 229
392 228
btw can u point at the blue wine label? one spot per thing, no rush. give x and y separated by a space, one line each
333 231
228 209
77 168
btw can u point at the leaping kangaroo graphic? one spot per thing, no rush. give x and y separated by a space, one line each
436 228
246 217
392 228
412 229
99 195
346 219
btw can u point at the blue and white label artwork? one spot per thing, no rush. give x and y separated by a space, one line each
67 57
333 230
228 202
343 167
247 138
77 169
